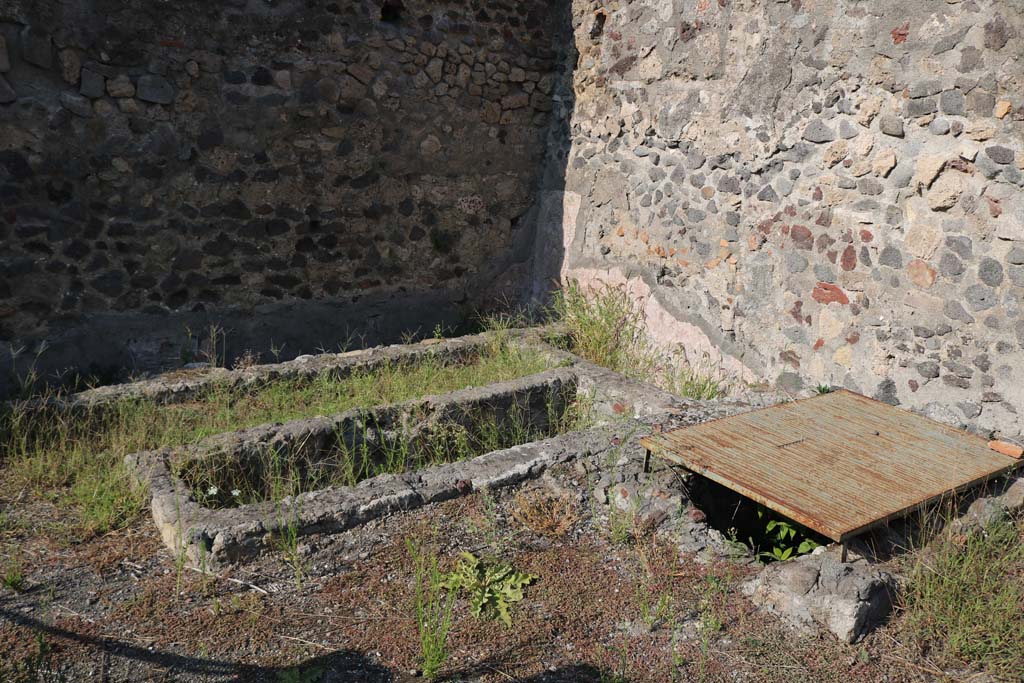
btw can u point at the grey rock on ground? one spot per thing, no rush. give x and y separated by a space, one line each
818 590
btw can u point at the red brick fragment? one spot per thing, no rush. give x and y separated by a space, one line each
1006 448
899 34
828 293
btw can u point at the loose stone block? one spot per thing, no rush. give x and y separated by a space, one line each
849 600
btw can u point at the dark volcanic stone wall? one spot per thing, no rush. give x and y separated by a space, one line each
810 191
293 171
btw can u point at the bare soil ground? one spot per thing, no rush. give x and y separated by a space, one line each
119 608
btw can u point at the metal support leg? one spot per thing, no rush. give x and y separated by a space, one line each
843 559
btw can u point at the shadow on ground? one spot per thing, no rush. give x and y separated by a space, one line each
115 658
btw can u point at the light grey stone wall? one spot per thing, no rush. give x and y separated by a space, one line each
808 191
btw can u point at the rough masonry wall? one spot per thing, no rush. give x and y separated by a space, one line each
291 170
812 191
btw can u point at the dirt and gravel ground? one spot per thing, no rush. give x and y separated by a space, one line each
119 608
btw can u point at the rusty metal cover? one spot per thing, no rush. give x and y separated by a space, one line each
838 463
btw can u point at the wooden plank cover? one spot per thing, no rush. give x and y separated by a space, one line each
838 463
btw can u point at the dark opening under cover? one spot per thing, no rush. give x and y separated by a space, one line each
838 463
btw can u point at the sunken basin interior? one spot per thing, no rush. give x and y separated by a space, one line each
363 443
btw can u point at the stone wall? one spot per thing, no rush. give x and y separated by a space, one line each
808 192
811 191
292 171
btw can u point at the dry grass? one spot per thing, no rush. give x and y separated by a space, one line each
546 512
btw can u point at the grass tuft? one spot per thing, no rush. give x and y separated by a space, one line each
433 610
13 576
964 598
607 326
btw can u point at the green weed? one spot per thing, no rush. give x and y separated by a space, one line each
653 611
621 525
13 576
287 542
783 538
715 594
492 586
433 610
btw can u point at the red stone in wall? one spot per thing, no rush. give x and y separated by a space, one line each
827 293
